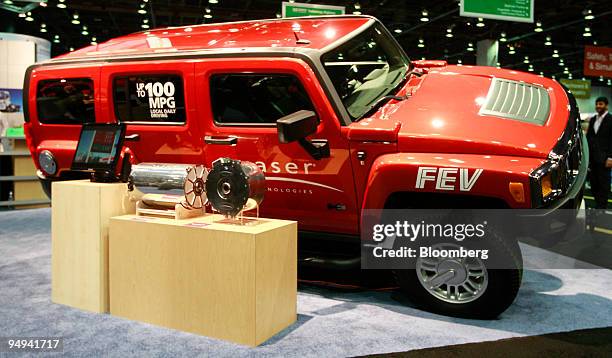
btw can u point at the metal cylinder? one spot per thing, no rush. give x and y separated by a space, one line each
232 183
183 182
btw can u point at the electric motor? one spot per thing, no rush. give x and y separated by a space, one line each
231 184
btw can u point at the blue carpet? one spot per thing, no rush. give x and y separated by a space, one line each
330 322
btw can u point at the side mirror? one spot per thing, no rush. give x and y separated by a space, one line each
296 126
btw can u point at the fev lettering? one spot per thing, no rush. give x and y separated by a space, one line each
447 178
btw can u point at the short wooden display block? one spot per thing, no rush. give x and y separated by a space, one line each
237 283
79 249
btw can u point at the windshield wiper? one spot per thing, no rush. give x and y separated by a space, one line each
374 107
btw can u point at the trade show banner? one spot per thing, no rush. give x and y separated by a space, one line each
598 61
579 88
294 9
510 10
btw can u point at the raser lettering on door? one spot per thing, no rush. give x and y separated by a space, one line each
447 178
289 168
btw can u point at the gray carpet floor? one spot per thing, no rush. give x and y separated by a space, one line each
330 322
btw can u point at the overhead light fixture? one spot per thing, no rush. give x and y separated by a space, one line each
498 65
526 60
587 32
94 41
470 47
357 6
61 4
398 31
144 26
480 22
541 74
424 16
71 49
29 17
22 14
561 62
43 27
84 32
75 19
530 68
459 62
56 39
449 32
421 43
215 1
601 78
538 27
548 41
142 9
555 53
502 37
43 3
588 14
570 76
8 2
278 15
511 50
356 12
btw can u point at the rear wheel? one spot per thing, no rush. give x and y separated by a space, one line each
468 287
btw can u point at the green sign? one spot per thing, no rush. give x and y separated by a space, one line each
15 132
579 88
294 9
511 10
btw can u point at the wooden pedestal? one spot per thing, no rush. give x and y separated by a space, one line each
79 255
237 283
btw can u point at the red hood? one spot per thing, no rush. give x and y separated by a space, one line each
442 116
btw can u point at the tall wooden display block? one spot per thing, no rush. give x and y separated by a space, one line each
237 283
79 224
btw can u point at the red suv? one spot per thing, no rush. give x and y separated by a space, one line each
384 131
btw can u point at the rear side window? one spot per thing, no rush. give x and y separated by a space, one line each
149 99
65 101
256 99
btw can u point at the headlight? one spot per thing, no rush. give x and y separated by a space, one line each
47 162
546 185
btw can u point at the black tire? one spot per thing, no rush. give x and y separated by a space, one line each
46 186
502 288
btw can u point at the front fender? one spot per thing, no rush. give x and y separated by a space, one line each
467 174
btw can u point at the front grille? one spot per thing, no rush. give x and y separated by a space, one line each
517 100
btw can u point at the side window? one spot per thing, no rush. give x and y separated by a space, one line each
149 99
256 99
65 101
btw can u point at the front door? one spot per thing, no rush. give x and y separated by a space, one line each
239 102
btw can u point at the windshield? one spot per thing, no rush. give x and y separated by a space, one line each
365 69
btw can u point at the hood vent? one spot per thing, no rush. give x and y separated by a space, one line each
517 100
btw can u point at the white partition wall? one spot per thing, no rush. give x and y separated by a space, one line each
17 52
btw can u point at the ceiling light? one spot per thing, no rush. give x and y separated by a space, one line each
498 65
530 68
61 4
541 74
29 17
144 26
555 53
561 63
480 22
356 12
43 3
213 1
22 14
526 60
71 49
587 32
503 37
398 31
8 2
278 16
421 43
424 16
588 14
84 32
548 41
538 27
449 32
43 27
75 19
56 39
459 62
601 78
570 76
470 47
511 50
142 9
357 6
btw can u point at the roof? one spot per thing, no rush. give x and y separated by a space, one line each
319 31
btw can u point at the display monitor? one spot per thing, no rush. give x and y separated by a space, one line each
99 147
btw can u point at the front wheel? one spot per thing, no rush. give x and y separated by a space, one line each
466 287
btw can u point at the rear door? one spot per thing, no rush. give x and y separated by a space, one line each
239 101
156 101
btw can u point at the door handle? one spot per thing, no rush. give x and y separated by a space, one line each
220 140
132 137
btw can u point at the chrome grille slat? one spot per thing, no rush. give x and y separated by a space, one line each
517 100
